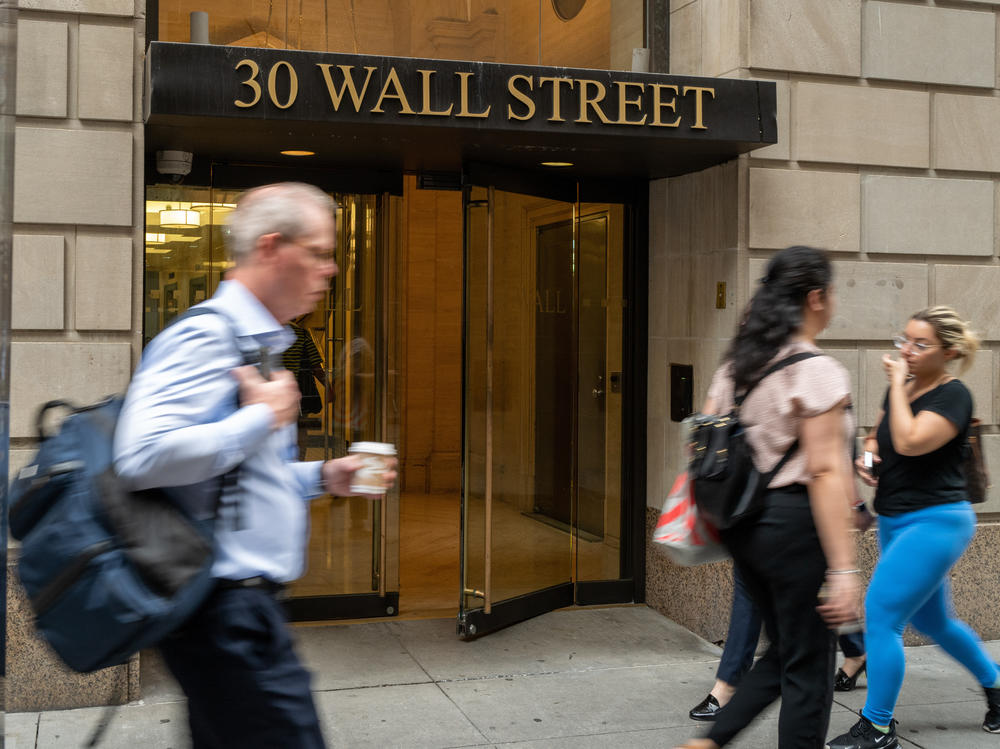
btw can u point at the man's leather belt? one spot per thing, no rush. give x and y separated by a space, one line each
259 583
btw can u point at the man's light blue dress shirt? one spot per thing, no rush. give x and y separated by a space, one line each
180 426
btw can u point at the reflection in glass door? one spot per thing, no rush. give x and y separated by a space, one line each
542 422
351 568
346 358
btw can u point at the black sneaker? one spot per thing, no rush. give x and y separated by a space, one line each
706 709
991 723
863 735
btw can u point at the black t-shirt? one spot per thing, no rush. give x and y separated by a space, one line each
907 483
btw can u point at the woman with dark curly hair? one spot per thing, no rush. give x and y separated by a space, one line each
800 542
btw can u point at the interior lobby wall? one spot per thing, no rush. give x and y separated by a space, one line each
432 368
530 32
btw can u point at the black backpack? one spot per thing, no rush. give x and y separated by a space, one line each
726 485
107 571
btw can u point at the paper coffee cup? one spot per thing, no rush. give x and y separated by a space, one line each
370 478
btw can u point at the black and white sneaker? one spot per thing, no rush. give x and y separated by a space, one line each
863 735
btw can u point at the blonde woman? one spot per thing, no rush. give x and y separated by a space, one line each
925 520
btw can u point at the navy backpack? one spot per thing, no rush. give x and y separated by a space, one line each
107 571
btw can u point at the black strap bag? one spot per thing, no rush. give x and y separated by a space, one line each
727 487
977 477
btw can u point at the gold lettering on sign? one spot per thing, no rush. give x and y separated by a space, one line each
593 102
521 96
393 80
348 85
698 102
293 85
624 103
464 100
556 95
251 81
426 108
658 105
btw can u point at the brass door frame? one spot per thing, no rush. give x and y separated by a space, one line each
475 622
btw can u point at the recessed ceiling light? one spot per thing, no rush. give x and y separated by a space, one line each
293 152
557 163
179 218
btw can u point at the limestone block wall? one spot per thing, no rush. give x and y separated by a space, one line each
78 218
694 247
887 156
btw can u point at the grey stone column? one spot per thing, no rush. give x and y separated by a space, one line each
76 263
8 72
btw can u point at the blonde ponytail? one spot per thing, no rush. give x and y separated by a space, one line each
954 333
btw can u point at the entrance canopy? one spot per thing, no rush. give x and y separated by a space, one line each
392 113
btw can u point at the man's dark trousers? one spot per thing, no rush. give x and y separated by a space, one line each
245 686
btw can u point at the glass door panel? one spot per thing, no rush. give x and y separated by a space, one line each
348 548
532 423
543 320
599 363
517 555
347 352
475 476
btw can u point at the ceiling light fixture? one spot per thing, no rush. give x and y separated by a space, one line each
557 163
155 238
179 219
293 152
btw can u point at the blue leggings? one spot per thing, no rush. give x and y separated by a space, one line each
910 586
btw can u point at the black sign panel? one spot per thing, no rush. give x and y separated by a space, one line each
478 103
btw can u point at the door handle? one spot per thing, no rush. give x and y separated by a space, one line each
598 391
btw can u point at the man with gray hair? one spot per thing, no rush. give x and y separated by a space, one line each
193 414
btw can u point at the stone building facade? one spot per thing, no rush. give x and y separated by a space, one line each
77 261
888 156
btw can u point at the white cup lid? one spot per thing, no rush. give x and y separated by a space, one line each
376 448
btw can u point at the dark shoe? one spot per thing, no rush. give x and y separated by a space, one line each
706 709
863 735
845 683
991 723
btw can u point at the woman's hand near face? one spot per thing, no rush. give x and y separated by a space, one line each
896 370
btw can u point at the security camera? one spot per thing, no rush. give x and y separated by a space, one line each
174 165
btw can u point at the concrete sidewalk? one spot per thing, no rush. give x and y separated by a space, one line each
612 677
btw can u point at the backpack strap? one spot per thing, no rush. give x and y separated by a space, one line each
252 355
793 448
227 504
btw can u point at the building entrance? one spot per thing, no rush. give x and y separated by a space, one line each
544 342
481 331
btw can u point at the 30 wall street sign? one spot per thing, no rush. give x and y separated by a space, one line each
244 83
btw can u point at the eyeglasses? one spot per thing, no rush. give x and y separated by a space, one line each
901 340
318 255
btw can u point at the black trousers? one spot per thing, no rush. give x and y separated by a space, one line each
244 684
778 554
